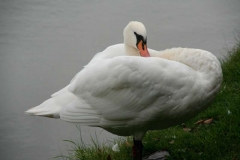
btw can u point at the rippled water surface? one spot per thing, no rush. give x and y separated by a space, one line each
43 44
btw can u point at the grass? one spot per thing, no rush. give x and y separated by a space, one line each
218 140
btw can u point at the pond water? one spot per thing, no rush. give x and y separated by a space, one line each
43 44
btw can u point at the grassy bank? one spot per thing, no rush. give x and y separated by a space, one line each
216 139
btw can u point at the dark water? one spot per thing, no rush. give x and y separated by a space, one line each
43 44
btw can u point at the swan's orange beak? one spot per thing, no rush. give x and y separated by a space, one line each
143 49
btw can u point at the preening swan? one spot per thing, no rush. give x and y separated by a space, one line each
128 89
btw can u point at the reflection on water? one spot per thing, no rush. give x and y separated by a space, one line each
44 43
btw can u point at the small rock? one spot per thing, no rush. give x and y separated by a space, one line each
208 121
187 129
115 148
199 122
159 155
229 112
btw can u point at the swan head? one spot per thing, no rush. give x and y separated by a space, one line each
135 39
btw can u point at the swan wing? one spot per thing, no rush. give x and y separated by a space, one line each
128 91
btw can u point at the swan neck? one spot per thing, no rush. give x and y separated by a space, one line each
130 51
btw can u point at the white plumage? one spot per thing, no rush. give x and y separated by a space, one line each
129 95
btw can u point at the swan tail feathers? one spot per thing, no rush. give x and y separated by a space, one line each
52 107
47 109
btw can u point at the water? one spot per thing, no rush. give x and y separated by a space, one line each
43 44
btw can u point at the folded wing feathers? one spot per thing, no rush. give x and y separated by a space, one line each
79 112
117 91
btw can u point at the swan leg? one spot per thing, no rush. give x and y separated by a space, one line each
137 149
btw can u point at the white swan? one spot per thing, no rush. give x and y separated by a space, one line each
129 95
